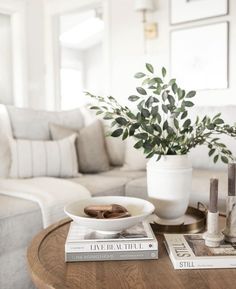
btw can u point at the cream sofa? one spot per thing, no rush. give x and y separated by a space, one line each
21 219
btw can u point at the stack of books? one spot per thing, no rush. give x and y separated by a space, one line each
188 251
136 243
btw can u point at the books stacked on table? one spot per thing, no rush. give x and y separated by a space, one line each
136 243
188 251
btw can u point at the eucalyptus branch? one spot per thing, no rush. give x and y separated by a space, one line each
160 123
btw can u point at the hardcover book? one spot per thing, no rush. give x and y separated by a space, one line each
83 244
188 251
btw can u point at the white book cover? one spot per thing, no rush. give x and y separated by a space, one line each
139 237
188 251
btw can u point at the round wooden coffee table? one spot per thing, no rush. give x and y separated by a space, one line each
49 270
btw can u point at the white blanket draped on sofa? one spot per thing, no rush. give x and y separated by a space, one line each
51 194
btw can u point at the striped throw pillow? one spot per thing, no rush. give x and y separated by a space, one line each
43 158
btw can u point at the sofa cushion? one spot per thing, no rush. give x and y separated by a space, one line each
100 185
91 149
33 124
117 172
43 158
14 272
200 187
20 220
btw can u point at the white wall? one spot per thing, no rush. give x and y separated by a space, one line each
127 54
6 89
93 69
35 53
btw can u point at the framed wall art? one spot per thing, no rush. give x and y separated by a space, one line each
199 56
191 10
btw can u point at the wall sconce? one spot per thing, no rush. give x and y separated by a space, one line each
150 28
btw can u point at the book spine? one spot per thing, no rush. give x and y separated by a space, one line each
111 246
105 256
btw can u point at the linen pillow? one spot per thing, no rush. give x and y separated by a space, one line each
135 159
91 149
43 158
32 124
115 146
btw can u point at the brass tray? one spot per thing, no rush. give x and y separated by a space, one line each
194 222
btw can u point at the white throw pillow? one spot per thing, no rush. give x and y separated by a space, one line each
135 159
43 158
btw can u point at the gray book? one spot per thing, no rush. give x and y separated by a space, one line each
117 255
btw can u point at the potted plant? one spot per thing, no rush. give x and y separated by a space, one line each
164 131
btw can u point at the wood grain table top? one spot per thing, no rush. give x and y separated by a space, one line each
48 269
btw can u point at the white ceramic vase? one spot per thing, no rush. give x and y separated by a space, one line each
169 183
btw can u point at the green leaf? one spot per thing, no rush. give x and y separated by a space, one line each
149 67
140 105
121 121
176 123
187 123
117 132
158 158
131 115
146 81
150 155
157 128
108 116
149 102
99 112
158 80
154 111
191 94
164 95
224 159
216 116
163 71
184 114
133 127
158 116
145 112
180 93
165 125
139 144
139 75
125 134
172 81
94 107
164 108
218 121
142 135
211 152
133 97
216 158
171 100
174 88
141 90
188 103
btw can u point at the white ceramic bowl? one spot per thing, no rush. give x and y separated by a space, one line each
138 208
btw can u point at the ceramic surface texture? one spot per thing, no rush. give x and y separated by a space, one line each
169 183
138 208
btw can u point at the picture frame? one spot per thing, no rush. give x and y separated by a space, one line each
201 62
182 11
